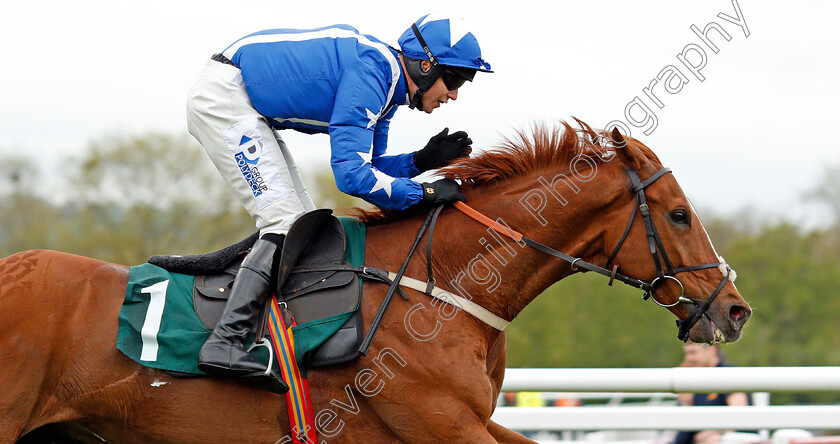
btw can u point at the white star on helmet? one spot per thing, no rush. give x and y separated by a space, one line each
457 26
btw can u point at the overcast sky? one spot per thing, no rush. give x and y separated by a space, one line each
758 130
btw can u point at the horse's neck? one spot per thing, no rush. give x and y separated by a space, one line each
500 274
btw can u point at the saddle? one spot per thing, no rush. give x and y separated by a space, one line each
314 283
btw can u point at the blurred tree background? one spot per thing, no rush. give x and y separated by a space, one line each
129 197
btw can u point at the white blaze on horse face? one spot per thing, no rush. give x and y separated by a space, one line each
723 265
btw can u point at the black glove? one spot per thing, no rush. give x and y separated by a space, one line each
443 149
442 191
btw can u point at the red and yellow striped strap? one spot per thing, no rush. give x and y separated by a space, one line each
298 402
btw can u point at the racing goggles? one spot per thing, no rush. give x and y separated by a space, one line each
454 77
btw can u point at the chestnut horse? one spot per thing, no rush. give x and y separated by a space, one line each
433 373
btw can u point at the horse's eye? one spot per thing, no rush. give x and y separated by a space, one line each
680 217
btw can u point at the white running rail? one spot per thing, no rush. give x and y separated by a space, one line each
672 380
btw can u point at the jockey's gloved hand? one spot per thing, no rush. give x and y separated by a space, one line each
442 149
442 191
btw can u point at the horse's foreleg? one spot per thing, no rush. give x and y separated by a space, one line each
496 359
496 372
504 435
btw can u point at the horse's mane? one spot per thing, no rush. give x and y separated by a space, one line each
546 148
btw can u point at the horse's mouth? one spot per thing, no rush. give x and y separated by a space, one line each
717 333
706 331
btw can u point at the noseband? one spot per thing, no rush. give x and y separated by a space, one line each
664 269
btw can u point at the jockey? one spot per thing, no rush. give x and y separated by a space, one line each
330 80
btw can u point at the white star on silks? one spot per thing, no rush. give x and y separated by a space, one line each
457 26
383 182
373 118
366 155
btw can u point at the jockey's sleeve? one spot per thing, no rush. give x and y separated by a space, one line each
400 165
359 103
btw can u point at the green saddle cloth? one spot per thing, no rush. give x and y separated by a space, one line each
158 327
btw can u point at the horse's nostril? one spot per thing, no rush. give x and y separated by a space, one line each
739 314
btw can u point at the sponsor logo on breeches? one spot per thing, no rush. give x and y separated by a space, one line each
252 174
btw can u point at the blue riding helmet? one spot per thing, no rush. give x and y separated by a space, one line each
448 44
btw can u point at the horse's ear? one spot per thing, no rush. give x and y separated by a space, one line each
630 156
617 139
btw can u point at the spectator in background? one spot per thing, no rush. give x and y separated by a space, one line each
701 355
524 399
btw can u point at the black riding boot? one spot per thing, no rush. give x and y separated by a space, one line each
223 353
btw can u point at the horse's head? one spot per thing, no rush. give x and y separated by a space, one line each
666 245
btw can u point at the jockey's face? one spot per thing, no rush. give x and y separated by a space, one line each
437 95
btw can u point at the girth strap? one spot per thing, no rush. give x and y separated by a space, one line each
465 304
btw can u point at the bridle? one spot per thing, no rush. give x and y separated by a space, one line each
664 269
657 250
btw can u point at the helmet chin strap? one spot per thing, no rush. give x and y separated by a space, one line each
423 80
417 100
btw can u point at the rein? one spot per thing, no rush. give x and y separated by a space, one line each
657 250
664 268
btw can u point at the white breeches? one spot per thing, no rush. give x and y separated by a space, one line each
252 158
